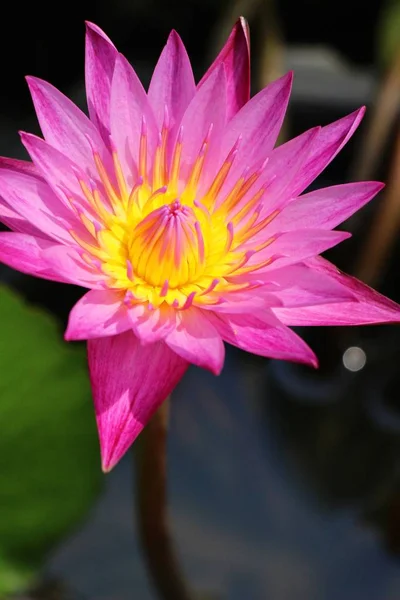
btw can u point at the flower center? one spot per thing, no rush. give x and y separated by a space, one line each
158 242
168 246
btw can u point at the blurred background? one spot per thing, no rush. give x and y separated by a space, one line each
283 482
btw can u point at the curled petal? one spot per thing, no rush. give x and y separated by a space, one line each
129 383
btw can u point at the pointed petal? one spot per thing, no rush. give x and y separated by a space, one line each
235 56
11 219
207 109
99 313
172 85
368 306
25 253
325 208
298 285
295 246
21 166
309 154
57 169
129 105
258 123
195 339
129 383
281 174
67 263
264 336
64 125
33 199
327 145
8 215
100 56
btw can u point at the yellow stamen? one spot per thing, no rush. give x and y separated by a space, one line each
158 241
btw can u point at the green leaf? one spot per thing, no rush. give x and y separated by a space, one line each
49 457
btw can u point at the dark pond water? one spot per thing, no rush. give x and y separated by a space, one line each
280 489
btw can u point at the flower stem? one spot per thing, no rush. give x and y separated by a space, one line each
151 507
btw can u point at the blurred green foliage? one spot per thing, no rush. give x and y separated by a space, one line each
49 457
389 31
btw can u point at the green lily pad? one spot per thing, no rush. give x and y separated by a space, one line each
49 458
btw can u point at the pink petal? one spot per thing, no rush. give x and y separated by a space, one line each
152 325
99 313
207 109
368 306
298 285
9 216
196 340
15 222
328 144
284 168
21 166
264 336
57 169
325 208
258 124
129 105
67 263
64 126
235 56
33 199
129 383
242 303
25 253
294 246
172 85
309 154
100 59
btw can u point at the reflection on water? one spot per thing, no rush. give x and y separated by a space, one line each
280 488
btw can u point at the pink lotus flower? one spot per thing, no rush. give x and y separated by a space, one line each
184 222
